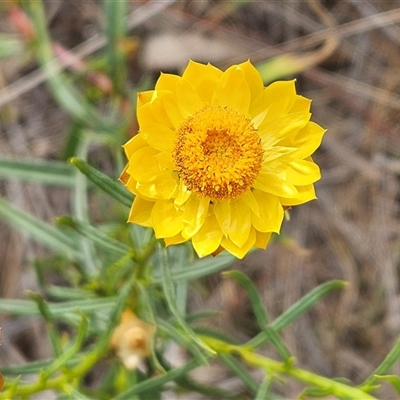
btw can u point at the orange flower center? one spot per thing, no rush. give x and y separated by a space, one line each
218 153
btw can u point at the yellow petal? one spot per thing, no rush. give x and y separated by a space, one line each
301 104
131 184
259 119
203 78
155 110
271 183
159 113
172 109
141 212
302 172
208 238
222 210
124 177
278 98
305 194
253 78
163 186
306 140
144 98
166 219
167 82
182 195
251 202
158 136
240 223
233 91
194 215
188 99
272 133
165 160
142 164
275 153
262 239
145 114
271 212
133 145
174 240
240 252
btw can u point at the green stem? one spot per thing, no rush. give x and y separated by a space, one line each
383 368
275 367
72 375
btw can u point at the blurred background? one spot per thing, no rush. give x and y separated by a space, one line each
345 55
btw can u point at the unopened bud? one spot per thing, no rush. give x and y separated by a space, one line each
131 339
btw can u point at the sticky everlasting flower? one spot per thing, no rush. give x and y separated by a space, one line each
219 157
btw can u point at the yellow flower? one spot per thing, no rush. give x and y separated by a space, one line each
219 157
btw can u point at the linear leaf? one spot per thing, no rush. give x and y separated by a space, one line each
95 235
298 308
47 172
38 230
199 268
384 366
153 383
28 307
240 371
169 292
263 391
260 312
116 29
104 182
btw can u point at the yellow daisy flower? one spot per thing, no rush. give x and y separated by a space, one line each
219 157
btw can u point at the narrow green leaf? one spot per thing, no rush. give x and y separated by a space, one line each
52 330
118 307
146 313
394 380
68 293
95 235
297 309
90 261
104 182
199 268
28 307
68 353
263 391
169 293
116 30
73 394
384 366
153 383
260 312
314 392
74 139
33 367
53 173
178 336
38 230
240 371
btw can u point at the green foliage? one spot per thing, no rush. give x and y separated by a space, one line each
110 266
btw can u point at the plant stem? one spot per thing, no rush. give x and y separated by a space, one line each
75 375
338 389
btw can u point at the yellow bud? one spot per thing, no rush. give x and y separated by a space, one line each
131 339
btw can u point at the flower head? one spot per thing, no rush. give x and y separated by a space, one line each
219 157
131 339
